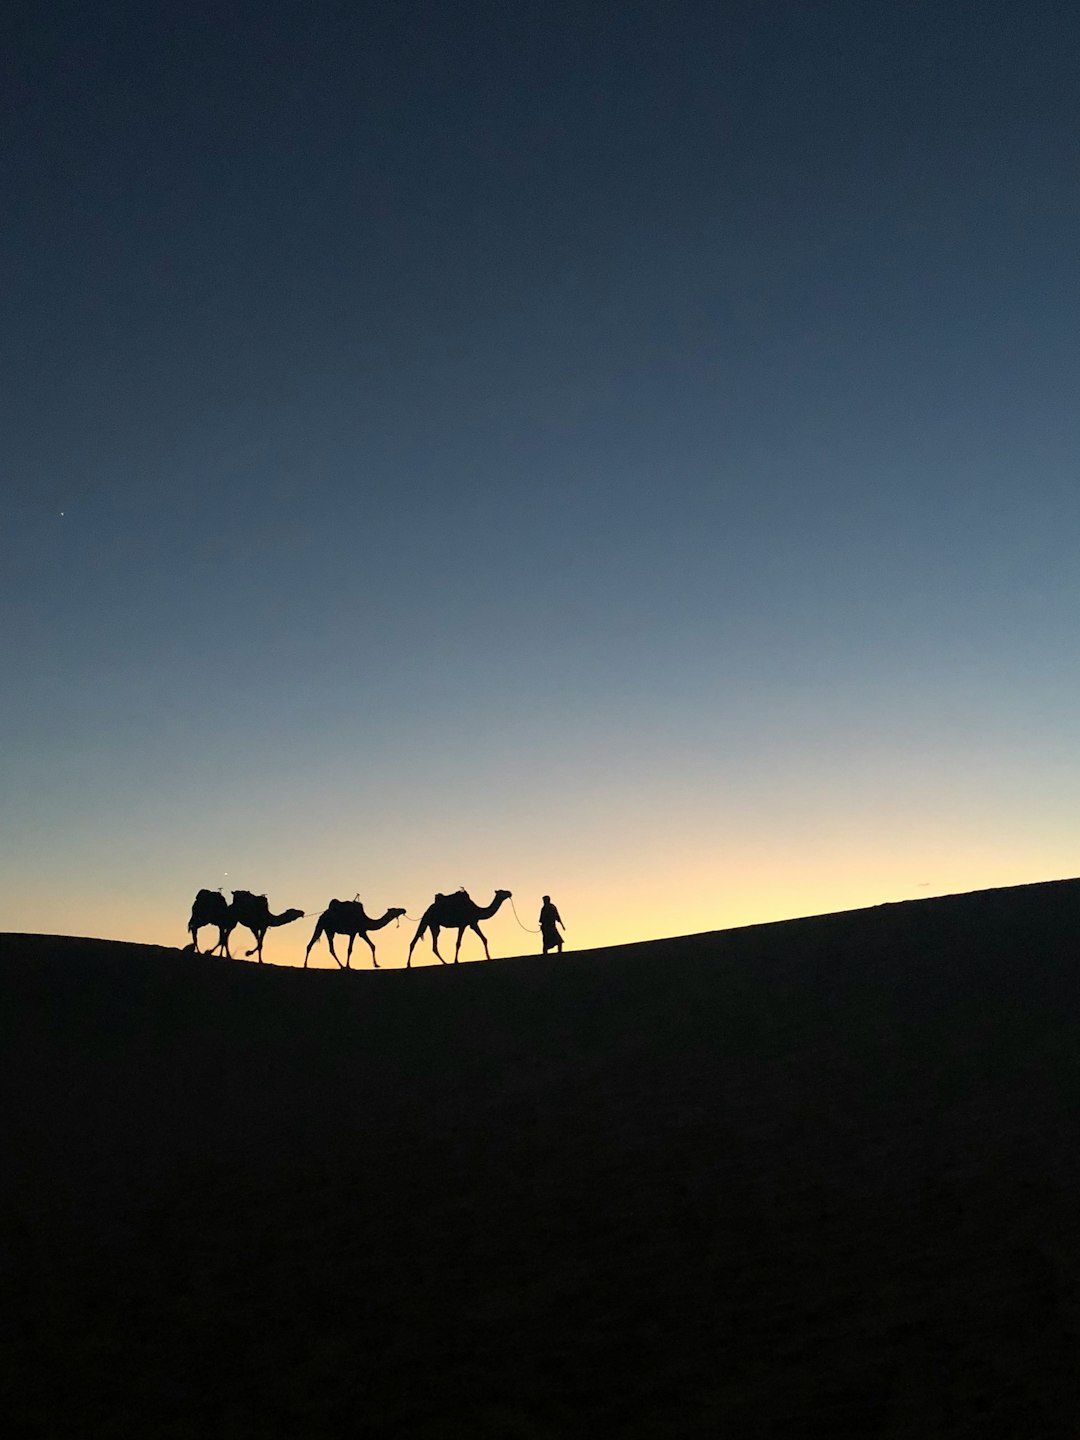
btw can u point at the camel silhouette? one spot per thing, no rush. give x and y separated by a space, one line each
253 912
211 908
455 912
348 917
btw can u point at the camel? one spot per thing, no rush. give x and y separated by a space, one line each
458 911
348 917
211 908
253 912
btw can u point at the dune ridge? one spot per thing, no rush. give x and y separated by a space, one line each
816 1177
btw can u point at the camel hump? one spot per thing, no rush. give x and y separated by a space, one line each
254 907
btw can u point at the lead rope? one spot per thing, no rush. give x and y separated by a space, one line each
527 928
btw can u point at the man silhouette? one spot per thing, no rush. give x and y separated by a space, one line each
550 919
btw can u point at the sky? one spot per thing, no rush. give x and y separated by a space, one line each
626 451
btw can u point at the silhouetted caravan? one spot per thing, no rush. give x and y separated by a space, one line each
211 908
348 917
455 912
253 912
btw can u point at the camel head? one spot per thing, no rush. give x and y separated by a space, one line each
502 895
395 911
288 916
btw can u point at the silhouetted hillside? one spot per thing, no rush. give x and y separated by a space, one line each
815 1178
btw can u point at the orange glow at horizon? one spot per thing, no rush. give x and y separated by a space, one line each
633 902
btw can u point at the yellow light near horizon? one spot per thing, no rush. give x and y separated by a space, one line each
635 892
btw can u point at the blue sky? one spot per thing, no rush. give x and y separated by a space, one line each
444 440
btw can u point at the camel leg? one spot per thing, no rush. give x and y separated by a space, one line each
487 952
457 947
434 932
371 946
348 953
311 942
333 952
256 949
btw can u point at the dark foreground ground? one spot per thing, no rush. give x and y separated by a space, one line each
817 1178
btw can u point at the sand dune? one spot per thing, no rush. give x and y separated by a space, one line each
812 1178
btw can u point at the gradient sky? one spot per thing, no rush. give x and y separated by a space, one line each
620 450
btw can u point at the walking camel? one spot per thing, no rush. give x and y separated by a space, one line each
348 917
251 911
455 912
211 908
